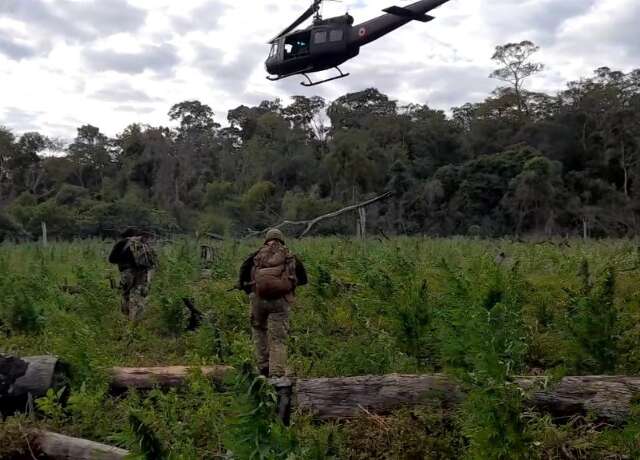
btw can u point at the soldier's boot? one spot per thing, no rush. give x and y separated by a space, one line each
284 390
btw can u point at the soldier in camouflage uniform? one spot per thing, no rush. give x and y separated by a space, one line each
136 260
270 308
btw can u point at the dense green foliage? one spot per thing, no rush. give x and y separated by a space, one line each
404 305
518 162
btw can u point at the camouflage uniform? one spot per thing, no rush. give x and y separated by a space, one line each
135 271
134 284
270 318
270 331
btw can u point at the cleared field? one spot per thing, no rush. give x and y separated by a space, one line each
481 311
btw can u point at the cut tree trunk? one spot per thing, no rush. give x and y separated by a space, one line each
59 447
32 380
145 378
354 396
607 397
38 378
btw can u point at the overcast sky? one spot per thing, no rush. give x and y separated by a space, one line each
64 63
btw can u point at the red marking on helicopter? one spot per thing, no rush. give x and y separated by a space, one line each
362 32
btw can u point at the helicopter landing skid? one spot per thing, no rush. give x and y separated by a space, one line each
312 83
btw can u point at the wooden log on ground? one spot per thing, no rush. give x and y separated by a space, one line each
39 377
353 396
607 397
59 447
145 378
25 379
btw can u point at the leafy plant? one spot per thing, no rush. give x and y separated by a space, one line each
592 321
148 444
255 430
51 405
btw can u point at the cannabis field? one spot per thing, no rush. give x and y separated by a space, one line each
480 311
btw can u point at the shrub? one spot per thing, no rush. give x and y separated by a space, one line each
255 431
592 321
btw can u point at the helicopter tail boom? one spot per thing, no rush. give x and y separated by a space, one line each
394 18
406 13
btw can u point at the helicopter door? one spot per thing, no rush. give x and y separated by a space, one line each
297 45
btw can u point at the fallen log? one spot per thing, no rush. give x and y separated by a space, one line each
59 447
606 397
145 378
353 396
27 379
39 377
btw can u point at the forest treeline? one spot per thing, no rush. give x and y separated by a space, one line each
519 162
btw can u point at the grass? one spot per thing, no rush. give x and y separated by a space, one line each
407 305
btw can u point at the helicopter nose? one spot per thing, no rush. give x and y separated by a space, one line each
269 65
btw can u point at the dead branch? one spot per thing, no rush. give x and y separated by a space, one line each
313 222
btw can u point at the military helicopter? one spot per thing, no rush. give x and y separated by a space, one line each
328 43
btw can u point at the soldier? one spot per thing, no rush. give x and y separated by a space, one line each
270 276
136 260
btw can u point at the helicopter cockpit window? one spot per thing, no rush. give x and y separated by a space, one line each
297 45
320 37
336 35
274 50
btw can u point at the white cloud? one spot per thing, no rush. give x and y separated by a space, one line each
112 62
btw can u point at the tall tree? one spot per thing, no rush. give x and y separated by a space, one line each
26 162
91 155
354 110
308 114
7 147
193 116
516 66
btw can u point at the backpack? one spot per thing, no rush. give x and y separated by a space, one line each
143 255
118 255
274 271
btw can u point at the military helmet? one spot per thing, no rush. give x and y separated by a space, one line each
274 234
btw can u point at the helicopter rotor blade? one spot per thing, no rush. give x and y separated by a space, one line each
306 15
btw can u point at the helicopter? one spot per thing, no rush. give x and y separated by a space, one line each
328 43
